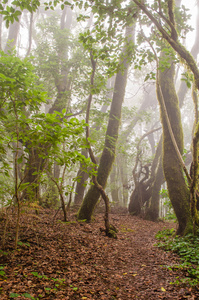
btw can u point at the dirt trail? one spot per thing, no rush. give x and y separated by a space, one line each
77 261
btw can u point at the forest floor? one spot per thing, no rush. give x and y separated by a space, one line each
75 260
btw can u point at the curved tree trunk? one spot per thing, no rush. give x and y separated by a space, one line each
143 188
140 195
80 186
174 175
108 154
172 162
194 51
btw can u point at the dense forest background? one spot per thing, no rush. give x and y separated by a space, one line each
99 107
99 147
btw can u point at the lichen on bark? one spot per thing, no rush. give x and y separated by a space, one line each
173 171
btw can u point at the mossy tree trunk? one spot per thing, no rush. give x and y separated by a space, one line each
179 193
108 154
32 174
143 180
173 171
171 36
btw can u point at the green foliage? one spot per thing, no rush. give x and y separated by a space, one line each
13 10
57 137
14 295
187 248
2 272
38 276
50 198
20 97
188 78
182 17
23 244
6 186
25 295
170 215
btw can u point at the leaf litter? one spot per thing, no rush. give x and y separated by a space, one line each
75 260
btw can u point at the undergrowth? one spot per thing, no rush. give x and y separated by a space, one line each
187 248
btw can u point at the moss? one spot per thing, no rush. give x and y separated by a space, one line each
112 234
177 187
189 227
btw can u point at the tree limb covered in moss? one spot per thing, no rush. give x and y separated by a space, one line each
175 44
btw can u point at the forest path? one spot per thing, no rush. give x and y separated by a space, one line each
77 261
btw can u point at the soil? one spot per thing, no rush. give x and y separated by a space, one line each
75 260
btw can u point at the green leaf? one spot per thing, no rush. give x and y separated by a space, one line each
2 273
7 23
26 295
20 159
14 295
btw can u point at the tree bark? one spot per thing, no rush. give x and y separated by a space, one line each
152 212
142 189
124 178
172 39
62 83
114 185
173 172
12 35
108 154
80 186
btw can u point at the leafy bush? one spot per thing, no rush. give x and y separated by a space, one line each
187 248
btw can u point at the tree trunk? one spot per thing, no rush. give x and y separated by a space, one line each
12 35
32 174
173 172
124 178
140 195
143 186
114 185
108 154
152 212
80 186
62 84
194 51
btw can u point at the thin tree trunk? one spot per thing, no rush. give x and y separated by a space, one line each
114 185
124 179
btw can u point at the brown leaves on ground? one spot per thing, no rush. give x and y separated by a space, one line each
76 260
